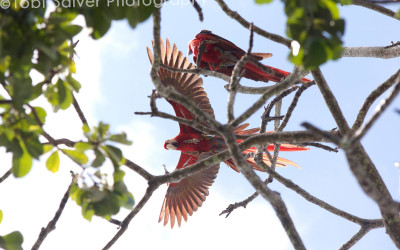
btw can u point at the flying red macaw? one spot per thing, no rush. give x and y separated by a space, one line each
221 55
184 197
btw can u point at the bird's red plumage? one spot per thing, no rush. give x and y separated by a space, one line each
221 55
184 197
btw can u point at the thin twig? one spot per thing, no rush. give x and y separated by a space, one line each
318 145
125 223
198 9
115 222
258 30
5 101
331 101
192 123
265 116
250 90
376 7
138 169
372 98
79 111
274 198
306 195
331 138
361 233
236 76
382 106
6 175
294 104
52 224
39 122
62 141
284 84
242 203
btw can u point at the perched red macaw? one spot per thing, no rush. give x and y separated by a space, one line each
221 55
184 197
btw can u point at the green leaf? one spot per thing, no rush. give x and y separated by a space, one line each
33 145
121 138
12 145
47 148
99 21
115 155
41 113
22 164
139 14
64 95
76 155
53 162
85 128
87 212
12 241
345 2
102 129
21 90
73 83
83 146
99 160
1 216
318 28
263 1
72 30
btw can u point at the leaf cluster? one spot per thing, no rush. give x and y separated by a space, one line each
36 39
100 198
316 25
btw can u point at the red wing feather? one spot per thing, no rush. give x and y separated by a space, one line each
221 43
188 195
190 85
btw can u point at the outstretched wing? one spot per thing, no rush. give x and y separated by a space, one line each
190 85
185 197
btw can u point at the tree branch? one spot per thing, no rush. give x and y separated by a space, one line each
6 175
361 233
192 123
293 104
52 224
138 169
258 30
274 198
131 215
372 98
386 52
198 9
377 8
236 76
331 102
284 84
382 106
79 111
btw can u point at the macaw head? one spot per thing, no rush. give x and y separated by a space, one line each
193 44
171 144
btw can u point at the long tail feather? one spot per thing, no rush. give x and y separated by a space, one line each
254 73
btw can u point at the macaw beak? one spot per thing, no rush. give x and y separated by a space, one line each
190 51
171 145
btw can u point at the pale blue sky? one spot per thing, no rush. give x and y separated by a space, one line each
114 73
